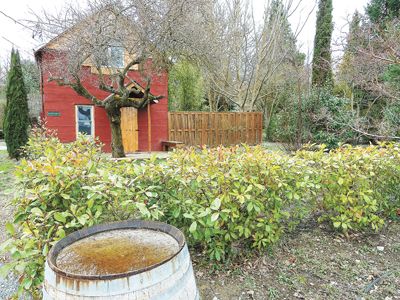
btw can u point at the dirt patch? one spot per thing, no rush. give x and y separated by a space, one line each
313 264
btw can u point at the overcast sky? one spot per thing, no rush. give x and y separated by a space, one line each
14 33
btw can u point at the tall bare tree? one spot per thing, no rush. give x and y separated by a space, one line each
371 70
244 54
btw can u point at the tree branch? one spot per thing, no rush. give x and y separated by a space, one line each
381 137
79 89
122 75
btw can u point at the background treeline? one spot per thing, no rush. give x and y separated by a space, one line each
233 62
260 68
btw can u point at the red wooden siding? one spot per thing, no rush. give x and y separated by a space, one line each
159 117
63 99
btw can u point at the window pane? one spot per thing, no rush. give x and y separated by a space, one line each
116 57
84 113
85 127
113 57
85 119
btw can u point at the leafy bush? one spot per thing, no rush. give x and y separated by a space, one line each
224 199
237 196
65 187
185 87
325 119
358 186
391 122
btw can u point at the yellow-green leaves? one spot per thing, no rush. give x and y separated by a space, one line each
59 217
214 217
6 268
193 227
37 212
360 186
234 195
216 204
10 228
54 201
220 198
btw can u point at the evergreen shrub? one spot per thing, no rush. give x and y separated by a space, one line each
226 200
16 116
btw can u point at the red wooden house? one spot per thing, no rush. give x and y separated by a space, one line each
68 113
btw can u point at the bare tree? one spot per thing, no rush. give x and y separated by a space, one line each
244 55
371 58
148 32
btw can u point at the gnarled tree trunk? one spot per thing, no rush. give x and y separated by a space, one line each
114 116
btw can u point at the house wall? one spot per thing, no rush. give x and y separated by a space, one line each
159 116
63 99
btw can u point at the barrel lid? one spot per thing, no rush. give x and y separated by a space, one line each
130 224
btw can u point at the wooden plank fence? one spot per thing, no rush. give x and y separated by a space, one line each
215 128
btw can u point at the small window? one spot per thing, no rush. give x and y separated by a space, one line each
85 120
117 57
114 57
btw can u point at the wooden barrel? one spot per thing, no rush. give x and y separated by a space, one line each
172 278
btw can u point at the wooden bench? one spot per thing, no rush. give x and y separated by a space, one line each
169 145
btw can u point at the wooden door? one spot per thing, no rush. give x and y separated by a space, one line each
129 127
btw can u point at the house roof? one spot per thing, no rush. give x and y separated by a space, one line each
50 43
56 41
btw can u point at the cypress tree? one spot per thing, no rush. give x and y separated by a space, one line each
353 42
16 118
353 37
322 69
380 11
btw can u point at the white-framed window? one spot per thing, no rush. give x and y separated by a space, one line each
84 116
114 57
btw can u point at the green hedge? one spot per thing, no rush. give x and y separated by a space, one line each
224 199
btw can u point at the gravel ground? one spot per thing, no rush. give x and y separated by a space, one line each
6 193
9 285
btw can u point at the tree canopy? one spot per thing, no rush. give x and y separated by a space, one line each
380 11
